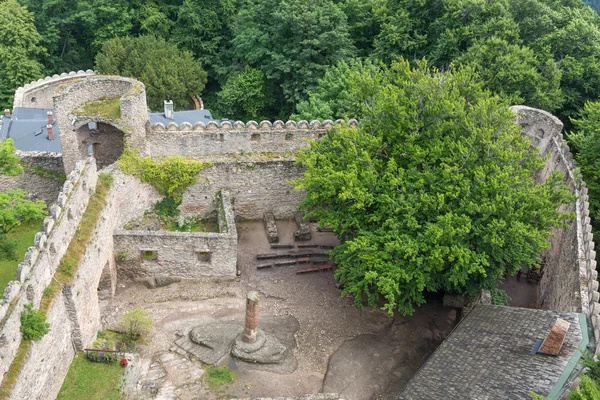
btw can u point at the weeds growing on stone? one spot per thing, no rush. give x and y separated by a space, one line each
219 376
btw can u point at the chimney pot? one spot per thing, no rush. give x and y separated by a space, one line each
6 112
50 118
169 109
50 134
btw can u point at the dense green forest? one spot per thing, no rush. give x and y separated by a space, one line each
254 59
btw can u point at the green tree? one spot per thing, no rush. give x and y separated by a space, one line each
10 164
244 96
586 141
292 42
333 97
15 209
167 72
433 191
19 50
514 72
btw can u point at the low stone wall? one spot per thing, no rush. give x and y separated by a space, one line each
38 94
256 187
237 138
570 278
188 255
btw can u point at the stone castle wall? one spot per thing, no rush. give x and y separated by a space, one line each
256 187
570 280
34 274
38 94
188 255
234 138
132 121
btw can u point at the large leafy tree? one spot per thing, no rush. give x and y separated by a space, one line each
167 72
433 191
20 50
292 42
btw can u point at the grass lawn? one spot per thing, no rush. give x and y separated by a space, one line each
23 235
91 381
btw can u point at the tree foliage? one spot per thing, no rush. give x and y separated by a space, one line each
20 50
292 42
167 72
434 190
15 209
10 164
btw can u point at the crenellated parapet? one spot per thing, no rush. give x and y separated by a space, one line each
38 94
225 138
252 125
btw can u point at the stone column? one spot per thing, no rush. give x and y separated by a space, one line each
251 317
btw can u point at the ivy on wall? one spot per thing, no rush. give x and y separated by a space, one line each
170 176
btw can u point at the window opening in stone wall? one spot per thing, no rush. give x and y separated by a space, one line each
255 137
220 137
203 256
33 99
289 136
321 135
149 255
91 150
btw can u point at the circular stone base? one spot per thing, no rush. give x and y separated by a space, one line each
266 350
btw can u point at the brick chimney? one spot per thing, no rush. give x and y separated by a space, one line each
50 134
169 109
6 112
50 118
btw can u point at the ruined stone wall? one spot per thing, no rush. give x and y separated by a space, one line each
34 275
38 187
132 120
188 255
256 187
237 138
570 277
38 94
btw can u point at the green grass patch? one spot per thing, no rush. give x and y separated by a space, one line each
217 377
91 380
23 235
105 107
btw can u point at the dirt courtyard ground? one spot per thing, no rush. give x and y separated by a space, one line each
360 353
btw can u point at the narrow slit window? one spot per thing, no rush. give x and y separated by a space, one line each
220 137
255 137
289 136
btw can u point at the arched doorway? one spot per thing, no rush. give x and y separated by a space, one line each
104 141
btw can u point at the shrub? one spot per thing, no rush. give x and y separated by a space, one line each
136 323
33 324
101 357
166 207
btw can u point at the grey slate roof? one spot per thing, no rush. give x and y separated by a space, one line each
488 356
179 117
27 127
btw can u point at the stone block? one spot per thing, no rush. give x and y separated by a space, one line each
303 232
271 227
